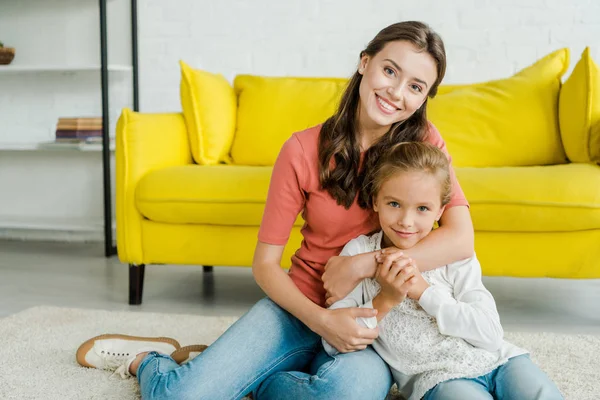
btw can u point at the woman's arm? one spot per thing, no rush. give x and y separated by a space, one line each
470 311
338 327
452 241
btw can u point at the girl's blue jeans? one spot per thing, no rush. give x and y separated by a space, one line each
518 379
272 354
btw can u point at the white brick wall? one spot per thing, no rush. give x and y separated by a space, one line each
484 39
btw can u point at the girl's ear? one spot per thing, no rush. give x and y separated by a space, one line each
375 205
437 218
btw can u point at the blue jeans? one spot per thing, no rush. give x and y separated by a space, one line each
272 354
518 379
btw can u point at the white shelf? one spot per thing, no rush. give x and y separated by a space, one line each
54 146
50 223
61 68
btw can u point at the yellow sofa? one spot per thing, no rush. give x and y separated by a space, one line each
191 186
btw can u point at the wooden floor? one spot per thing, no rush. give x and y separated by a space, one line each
77 275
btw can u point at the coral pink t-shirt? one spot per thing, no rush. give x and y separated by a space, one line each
295 188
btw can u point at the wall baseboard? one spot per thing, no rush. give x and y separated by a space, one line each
52 229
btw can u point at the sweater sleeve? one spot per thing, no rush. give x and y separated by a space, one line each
286 196
356 298
458 196
471 313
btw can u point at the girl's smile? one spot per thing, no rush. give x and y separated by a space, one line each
408 204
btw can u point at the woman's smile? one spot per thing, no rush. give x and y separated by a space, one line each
385 106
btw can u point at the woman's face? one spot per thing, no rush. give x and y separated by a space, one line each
408 204
395 84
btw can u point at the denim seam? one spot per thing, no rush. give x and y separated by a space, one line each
275 364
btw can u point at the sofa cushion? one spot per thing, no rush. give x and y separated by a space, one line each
214 195
507 122
579 111
209 108
270 110
556 198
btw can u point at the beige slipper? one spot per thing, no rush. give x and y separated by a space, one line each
183 354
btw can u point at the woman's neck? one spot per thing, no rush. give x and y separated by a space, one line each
368 135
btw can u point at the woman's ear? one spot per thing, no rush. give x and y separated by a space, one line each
439 215
362 65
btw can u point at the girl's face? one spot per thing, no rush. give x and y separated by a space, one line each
395 84
408 204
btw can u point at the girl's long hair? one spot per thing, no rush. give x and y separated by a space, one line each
340 172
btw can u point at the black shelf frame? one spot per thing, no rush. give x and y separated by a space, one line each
109 247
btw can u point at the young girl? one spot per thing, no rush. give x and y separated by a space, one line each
318 173
439 330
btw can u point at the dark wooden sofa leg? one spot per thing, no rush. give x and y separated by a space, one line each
136 283
207 269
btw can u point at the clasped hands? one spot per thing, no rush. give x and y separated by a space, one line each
398 276
394 271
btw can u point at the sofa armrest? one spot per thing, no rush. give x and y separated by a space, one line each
144 143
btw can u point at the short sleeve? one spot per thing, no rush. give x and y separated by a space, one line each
458 196
285 199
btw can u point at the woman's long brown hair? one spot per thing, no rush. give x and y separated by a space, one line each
340 172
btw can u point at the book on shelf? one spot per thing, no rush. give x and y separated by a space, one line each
94 122
78 128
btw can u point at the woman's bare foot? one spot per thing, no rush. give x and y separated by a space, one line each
133 367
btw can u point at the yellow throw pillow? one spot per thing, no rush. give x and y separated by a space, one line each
506 122
579 111
209 108
271 109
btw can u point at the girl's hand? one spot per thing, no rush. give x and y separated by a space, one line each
395 277
343 273
416 285
340 329
388 255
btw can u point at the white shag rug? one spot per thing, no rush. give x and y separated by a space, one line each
37 355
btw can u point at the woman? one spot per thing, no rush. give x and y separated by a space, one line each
318 172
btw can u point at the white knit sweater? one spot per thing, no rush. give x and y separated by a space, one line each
453 331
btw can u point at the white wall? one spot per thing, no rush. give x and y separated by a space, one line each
484 39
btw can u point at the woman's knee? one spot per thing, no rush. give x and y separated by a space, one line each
362 374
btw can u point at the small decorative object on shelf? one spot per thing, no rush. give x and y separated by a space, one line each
6 54
78 129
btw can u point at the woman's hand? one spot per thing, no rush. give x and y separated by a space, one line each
340 329
343 273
